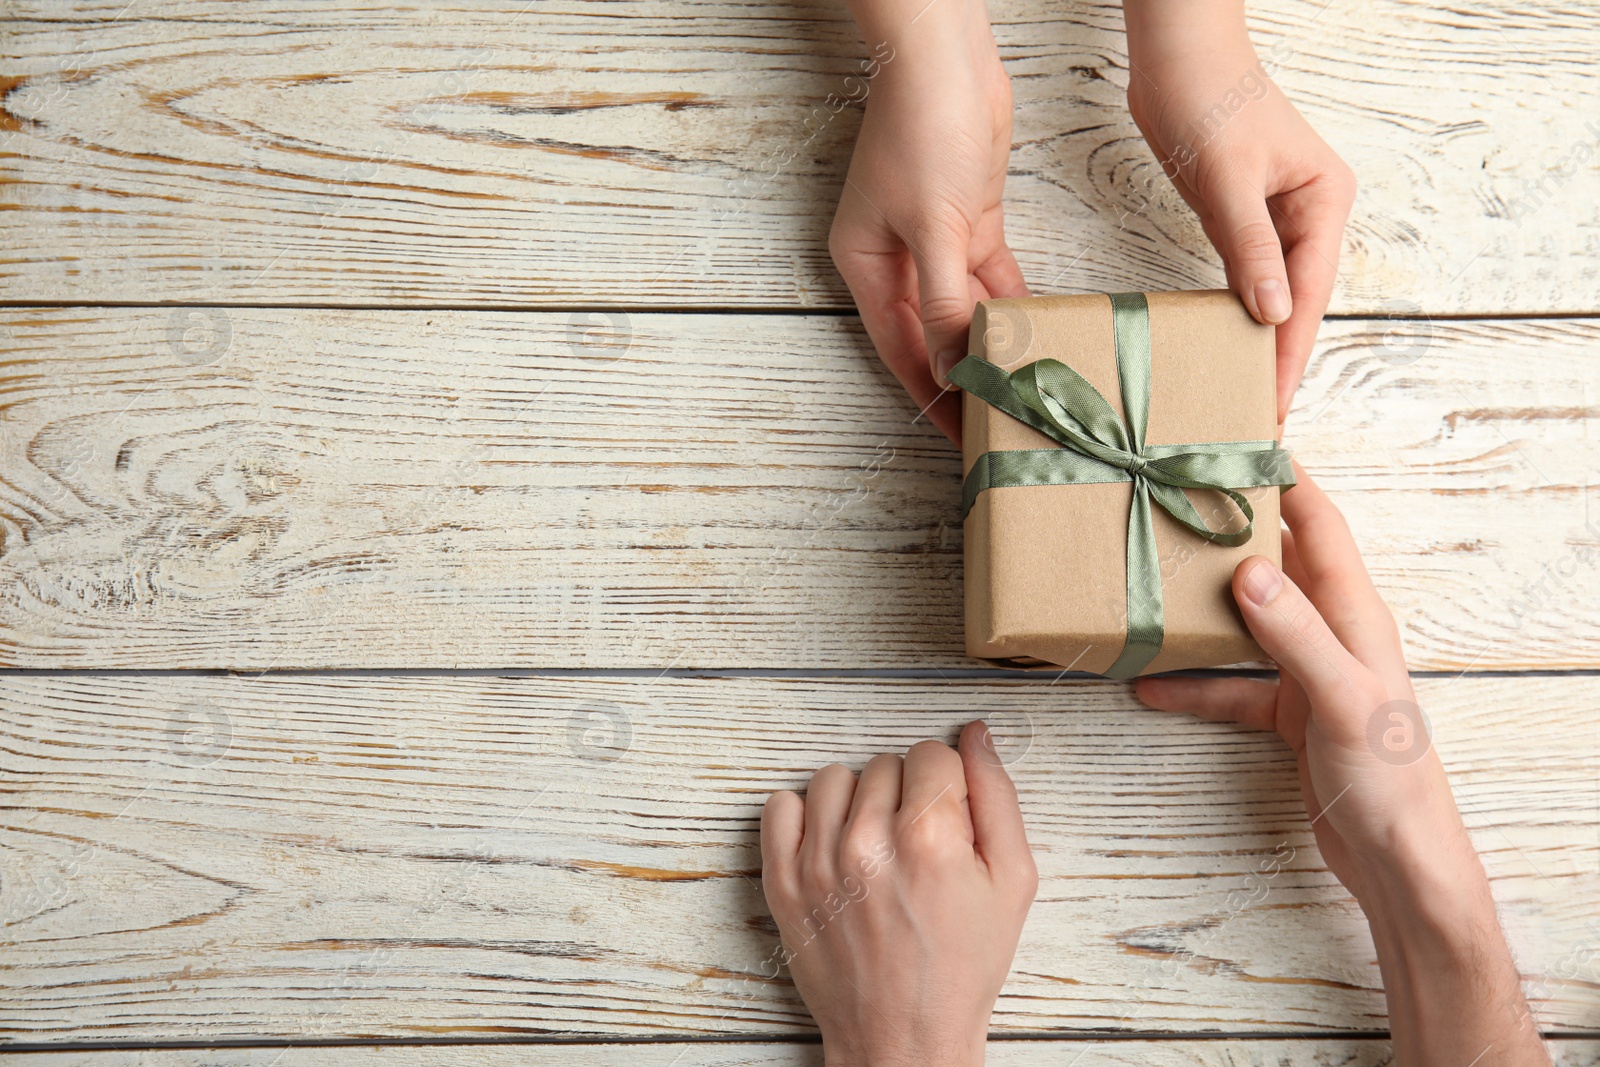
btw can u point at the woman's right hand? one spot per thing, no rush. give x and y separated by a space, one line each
918 235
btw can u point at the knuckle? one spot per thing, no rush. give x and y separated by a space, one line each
831 774
938 229
836 249
861 848
1026 880
1018 876
927 837
944 312
930 746
1365 612
781 799
1256 242
1135 101
1004 103
777 805
883 759
1217 174
1387 625
1338 524
839 241
1302 628
1342 181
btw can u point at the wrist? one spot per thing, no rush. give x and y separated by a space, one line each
927 38
1162 31
1427 898
916 1049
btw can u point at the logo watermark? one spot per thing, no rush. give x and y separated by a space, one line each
602 733
1398 733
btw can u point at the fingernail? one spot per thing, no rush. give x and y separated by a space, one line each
1272 300
943 364
1262 584
988 739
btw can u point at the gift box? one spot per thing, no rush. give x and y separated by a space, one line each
1120 461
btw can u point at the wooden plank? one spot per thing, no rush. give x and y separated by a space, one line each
1226 1053
495 152
255 488
210 858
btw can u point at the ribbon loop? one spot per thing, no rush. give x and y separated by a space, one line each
1099 446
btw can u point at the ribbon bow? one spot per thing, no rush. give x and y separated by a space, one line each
1100 447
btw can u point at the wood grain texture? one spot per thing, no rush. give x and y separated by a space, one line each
271 488
211 857
1224 1053
496 152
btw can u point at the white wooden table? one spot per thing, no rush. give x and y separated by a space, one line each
441 498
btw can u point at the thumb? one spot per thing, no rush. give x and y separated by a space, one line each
997 831
1291 630
945 300
1249 245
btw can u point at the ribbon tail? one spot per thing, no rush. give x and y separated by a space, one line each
1146 621
1180 507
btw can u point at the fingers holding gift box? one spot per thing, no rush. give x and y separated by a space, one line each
1120 462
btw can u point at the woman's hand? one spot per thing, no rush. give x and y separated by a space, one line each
1271 194
918 235
900 899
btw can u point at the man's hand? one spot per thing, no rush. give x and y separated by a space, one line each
1374 788
918 235
1271 194
900 899
1373 784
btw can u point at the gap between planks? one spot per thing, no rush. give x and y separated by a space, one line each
492 1041
1188 1051
776 310
933 674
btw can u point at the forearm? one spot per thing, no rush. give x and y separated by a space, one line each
1163 30
1453 989
926 34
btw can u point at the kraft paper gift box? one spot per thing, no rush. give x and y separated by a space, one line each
1053 529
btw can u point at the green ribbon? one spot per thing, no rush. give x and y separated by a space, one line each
1099 447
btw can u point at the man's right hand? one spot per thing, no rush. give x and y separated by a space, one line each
1374 787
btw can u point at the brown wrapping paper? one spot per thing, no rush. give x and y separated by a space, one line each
1045 579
